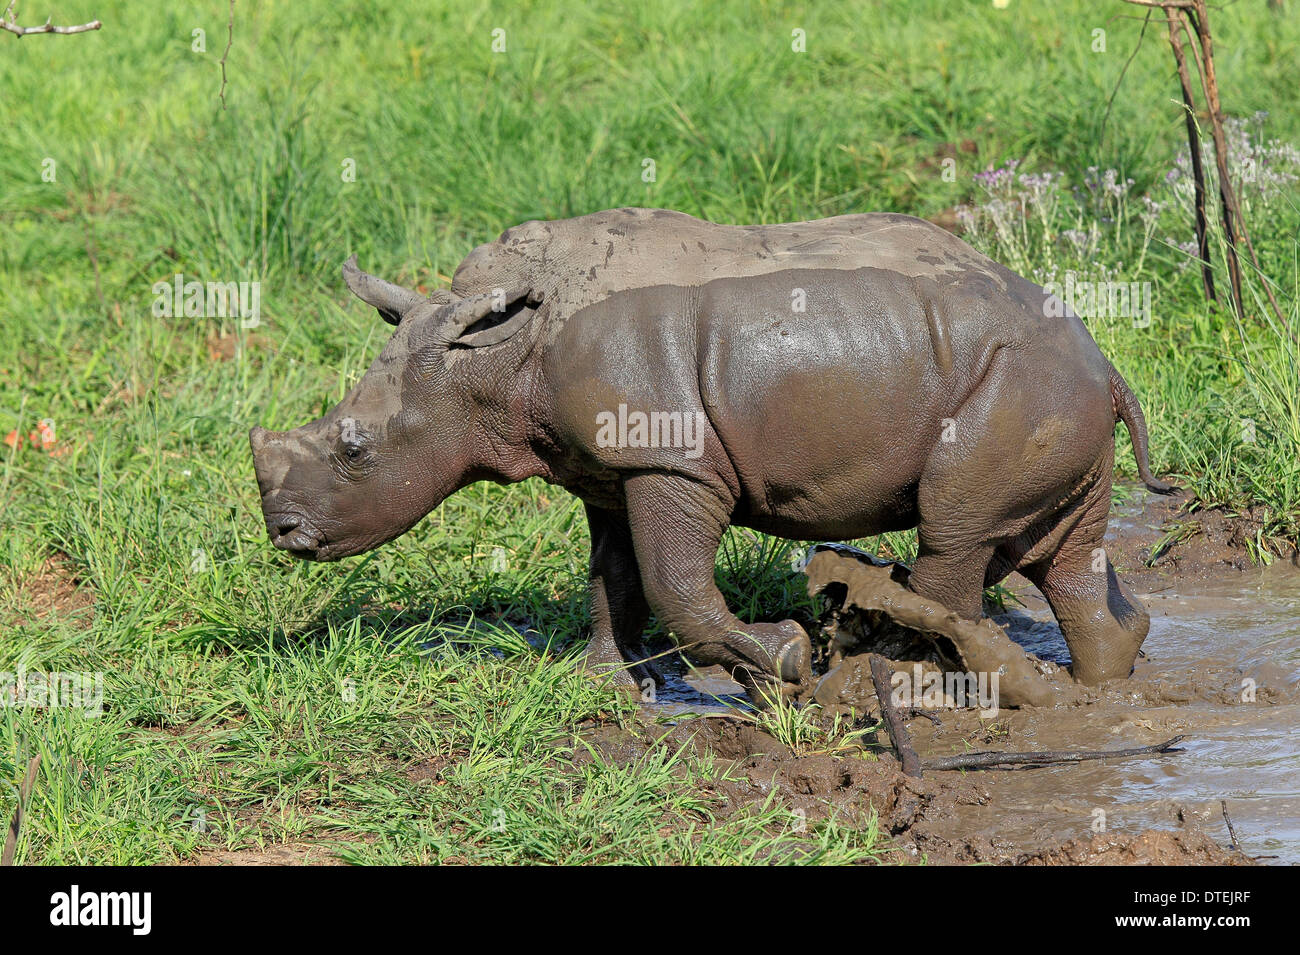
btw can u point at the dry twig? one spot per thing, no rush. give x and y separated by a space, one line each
985 759
1232 832
10 22
230 38
893 719
1192 17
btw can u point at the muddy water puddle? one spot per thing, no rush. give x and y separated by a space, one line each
687 691
1213 645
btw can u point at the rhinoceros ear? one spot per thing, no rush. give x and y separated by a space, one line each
488 319
391 301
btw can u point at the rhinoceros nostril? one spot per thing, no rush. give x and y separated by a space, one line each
284 525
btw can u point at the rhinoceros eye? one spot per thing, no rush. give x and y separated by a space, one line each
350 440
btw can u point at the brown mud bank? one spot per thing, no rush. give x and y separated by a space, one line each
1221 666
915 815
1158 541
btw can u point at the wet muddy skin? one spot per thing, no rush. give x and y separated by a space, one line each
1213 626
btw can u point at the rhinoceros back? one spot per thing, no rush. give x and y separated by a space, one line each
575 262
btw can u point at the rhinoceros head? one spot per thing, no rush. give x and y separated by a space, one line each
414 429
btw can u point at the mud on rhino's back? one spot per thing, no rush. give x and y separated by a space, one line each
575 262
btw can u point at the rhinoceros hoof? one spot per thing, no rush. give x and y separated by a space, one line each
791 663
794 658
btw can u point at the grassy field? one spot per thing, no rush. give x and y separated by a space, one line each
388 704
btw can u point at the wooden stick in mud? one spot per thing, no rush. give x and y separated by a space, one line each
1232 833
893 719
984 759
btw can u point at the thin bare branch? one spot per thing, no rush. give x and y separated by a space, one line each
1232 831
10 22
881 675
1124 71
1233 218
1194 145
1191 17
983 760
230 38
1198 29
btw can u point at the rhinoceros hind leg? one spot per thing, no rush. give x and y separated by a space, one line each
604 659
1103 623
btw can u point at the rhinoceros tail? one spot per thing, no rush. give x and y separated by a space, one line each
1129 411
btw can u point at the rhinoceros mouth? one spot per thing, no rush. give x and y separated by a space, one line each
292 533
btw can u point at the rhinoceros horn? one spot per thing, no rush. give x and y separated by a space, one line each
391 301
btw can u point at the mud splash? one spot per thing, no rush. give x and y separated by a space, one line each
865 591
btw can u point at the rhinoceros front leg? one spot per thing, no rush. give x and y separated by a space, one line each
618 606
677 524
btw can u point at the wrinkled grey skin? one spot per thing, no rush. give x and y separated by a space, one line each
852 375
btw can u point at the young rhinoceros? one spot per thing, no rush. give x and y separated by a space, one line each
828 380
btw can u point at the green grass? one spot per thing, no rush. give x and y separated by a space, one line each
293 702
